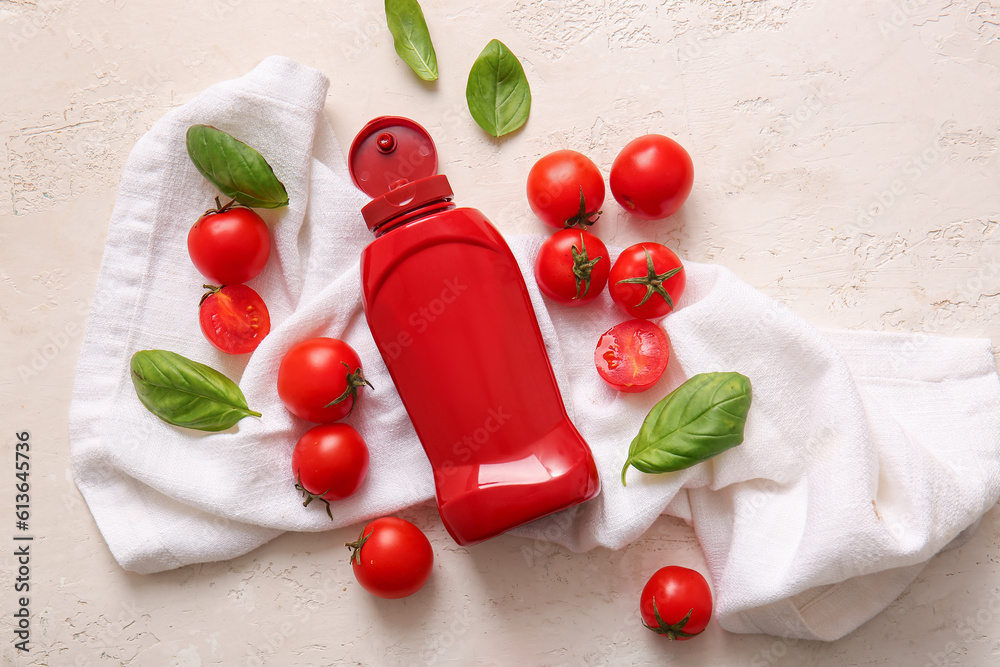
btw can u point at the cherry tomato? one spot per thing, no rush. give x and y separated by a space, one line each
319 378
392 558
229 246
572 266
676 602
652 176
330 461
565 188
632 356
233 318
646 280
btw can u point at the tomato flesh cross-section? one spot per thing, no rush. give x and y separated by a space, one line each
632 356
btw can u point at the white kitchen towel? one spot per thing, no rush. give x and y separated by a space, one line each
865 453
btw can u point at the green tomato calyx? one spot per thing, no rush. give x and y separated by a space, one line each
653 281
310 496
582 218
356 545
674 631
222 208
582 268
355 380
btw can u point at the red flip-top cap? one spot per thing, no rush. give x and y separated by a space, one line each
405 198
393 159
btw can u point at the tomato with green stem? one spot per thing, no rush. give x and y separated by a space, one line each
391 558
565 188
319 379
229 244
646 280
572 267
330 462
676 602
234 318
631 356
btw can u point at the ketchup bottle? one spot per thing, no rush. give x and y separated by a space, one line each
450 314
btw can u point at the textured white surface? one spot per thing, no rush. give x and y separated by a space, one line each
846 165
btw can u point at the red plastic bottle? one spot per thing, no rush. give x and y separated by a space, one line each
451 316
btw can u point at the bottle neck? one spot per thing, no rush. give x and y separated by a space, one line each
437 206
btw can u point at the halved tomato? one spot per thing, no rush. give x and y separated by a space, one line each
632 356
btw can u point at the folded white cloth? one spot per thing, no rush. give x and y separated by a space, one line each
865 453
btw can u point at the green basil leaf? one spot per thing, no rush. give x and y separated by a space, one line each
411 37
185 393
703 417
498 94
239 171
